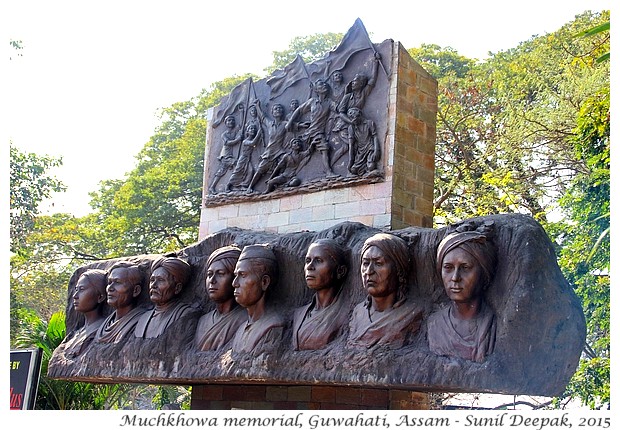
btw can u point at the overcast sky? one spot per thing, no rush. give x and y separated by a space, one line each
93 74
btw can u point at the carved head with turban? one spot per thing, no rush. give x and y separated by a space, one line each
477 245
394 250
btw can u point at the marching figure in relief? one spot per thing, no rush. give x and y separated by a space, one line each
230 138
244 169
319 107
466 327
216 328
324 318
386 317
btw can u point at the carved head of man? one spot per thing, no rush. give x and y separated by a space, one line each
277 110
466 262
385 266
325 264
124 285
220 269
168 277
255 271
90 290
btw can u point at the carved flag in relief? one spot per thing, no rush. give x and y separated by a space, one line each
354 41
284 78
238 96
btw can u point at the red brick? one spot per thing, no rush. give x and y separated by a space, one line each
377 398
324 394
348 395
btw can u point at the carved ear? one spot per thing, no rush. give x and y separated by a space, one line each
341 271
265 282
137 289
101 298
178 287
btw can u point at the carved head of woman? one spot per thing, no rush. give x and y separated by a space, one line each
90 290
385 266
466 262
220 269
325 264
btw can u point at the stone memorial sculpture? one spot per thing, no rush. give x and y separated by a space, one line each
319 96
325 317
256 272
385 317
124 287
466 326
276 142
354 95
226 159
536 349
169 275
244 169
364 148
319 108
89 299
285 172
217 327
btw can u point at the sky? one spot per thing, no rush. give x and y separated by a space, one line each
93 74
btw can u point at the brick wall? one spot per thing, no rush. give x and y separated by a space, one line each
302 397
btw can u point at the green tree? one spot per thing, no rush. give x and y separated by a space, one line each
584 254
30 184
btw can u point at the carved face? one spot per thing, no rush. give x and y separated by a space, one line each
230 121
461 272
378 273
358 82
162 287
320 268
277 111
85 296
294 104
337 77
219 282
249 285
121 291
321 87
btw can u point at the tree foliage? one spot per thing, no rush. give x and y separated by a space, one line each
30 184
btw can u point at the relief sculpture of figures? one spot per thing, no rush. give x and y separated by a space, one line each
217 327
256 273
355 96
168 277
244 169
364 148
230 137
276 140
386 316
320 108
466 327
324 318
89 299
125 281
289 165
